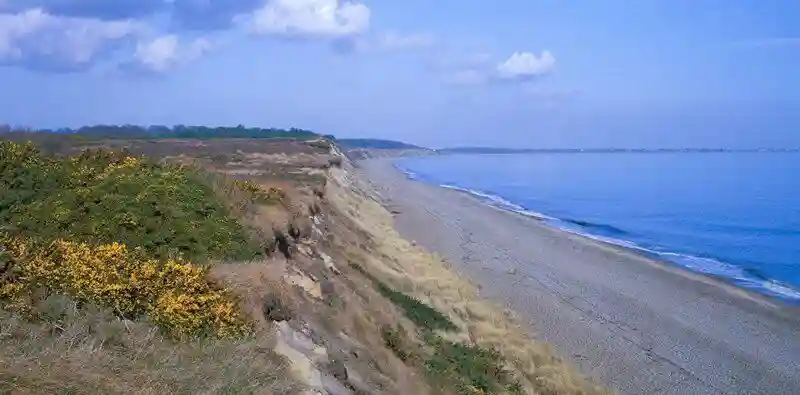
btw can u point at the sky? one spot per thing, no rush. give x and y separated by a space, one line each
512 73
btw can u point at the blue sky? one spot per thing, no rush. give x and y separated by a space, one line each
537 73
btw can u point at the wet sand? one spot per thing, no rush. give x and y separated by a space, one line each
633 323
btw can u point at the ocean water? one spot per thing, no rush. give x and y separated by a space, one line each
731 215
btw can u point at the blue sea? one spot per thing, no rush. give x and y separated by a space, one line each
731 215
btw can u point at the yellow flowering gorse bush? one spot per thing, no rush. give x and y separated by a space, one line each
258 193
174 293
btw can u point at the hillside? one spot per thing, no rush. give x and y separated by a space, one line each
247 266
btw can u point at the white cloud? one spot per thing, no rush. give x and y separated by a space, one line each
479 68
41 39
330 19
166 52
526 65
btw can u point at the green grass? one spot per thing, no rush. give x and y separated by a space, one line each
103 197
419 313
424 316
468 369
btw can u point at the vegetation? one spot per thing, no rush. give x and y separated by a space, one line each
464 369
117 231
419 313
394 340
469 369
62 346
178 131
105 197
174 294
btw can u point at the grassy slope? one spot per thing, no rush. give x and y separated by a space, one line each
102 197
68 293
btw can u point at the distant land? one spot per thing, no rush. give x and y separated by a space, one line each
381 144
133 132
376 144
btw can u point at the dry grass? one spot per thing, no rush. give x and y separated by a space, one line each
62 349
349 326
412 270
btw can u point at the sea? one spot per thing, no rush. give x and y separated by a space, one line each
732 215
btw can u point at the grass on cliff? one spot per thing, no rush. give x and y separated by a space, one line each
424 316
461 368
61 348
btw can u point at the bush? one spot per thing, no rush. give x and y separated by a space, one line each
258 195
104 197
275 310
468 369
174 294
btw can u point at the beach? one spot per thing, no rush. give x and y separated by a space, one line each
635 324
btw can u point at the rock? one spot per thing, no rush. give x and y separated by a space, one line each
275 310
358 384
301 343
337 368
328 261
328 288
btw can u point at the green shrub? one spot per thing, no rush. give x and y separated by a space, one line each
468 369
424 316
419 313
104 197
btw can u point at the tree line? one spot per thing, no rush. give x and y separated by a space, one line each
161 132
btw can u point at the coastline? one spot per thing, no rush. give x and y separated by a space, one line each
739 277
635 323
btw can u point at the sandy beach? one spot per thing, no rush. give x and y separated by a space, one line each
635 324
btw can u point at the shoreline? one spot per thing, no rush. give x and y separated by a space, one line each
724 283
788 297
637 324
652 259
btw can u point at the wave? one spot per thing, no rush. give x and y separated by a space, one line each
499 202
737 275
594 225
409 174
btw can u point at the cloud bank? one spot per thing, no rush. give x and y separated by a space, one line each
158 35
